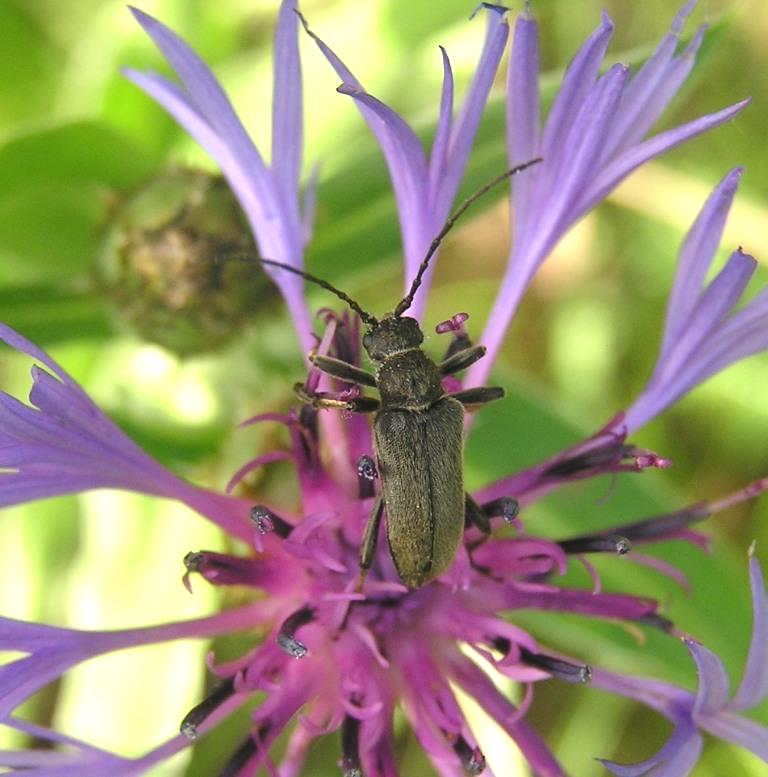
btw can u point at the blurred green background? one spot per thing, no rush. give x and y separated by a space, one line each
76 139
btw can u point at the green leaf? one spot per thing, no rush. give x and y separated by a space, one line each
29 62
68 154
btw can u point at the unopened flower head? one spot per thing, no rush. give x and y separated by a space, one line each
345 652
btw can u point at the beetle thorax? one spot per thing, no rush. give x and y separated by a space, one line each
392 335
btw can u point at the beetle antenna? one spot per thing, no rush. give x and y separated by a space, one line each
364 315
407 301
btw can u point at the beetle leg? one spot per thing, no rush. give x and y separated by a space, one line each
461 359
343 370
370 535
476 397
353 404
474 515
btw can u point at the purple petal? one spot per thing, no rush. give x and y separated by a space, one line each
343 72
741 731
478 685
673 78
425 191
254 191
206 113
696 255
23 677
676 759
63 444
714 688
622 166
40 732
309 204
712 306
523 110
465 127
754 683
287 118
743 334
601 605
207 96
582 148
82 759
578 82
639 109
437 158
523 93
402 149
53 651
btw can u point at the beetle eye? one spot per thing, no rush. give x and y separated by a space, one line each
367 340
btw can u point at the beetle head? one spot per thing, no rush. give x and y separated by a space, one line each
392 335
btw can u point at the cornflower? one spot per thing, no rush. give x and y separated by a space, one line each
340 657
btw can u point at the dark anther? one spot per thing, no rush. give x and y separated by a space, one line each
193 560
366 474
505 506
489 7
308 421
657 622
350 747
222 569
199 714
595 543
460 342
598 458
286 638
343 346
502 644
266 521
471 758
562 670
239 758
663 525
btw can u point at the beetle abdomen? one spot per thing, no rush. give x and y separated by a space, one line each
420 462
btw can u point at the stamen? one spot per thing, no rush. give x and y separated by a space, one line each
366 474
266 521
502 644
595 543
286 638
222 569
199 714
243 754
657 621
505 506
306 437
599 458
460 342
350 747
472 759
562 670
193 560
343 344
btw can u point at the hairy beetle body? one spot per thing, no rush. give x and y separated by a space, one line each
420 462
417 430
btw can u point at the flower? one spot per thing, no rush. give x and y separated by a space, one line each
344 654
592 139
709 708
269 194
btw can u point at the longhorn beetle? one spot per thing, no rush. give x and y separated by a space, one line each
418 430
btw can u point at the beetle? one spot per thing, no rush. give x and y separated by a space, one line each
418 430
